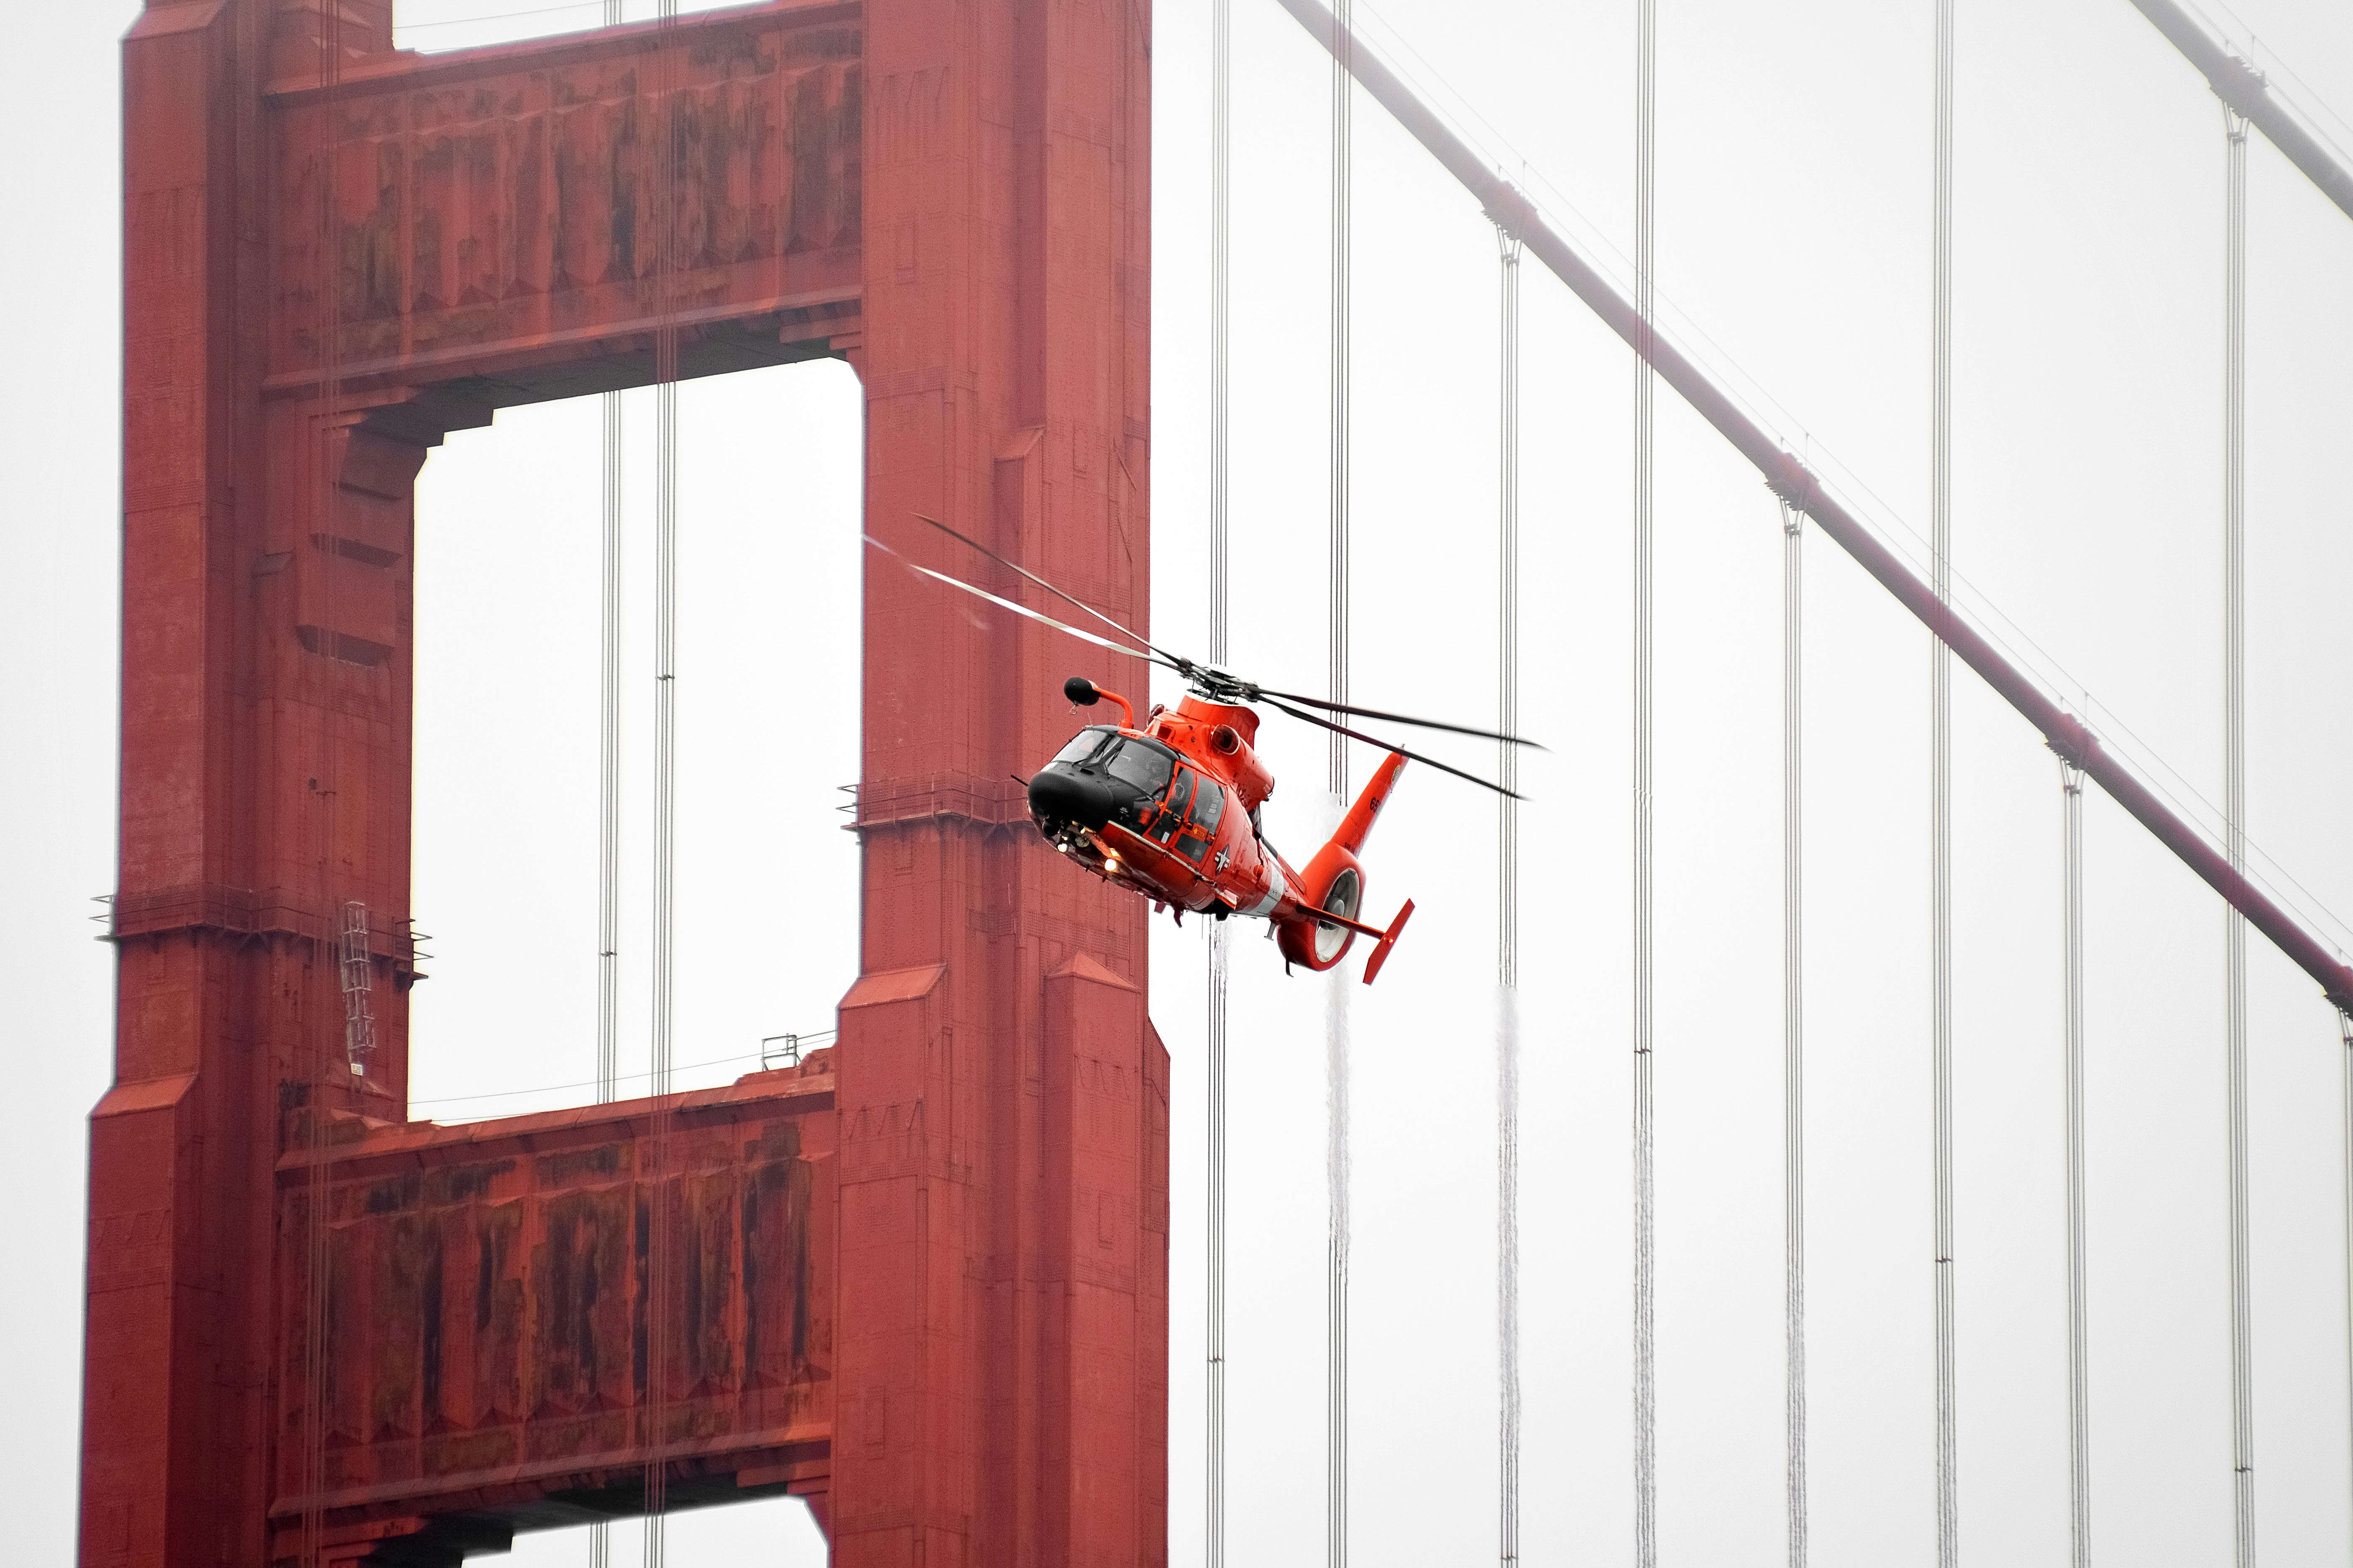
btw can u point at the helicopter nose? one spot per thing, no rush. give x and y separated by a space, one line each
1060 796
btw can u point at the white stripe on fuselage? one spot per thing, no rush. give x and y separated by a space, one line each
1275 889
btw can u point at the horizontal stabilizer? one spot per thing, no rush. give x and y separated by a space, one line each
1388 941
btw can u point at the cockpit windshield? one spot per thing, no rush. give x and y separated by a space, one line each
1085 743
1147 764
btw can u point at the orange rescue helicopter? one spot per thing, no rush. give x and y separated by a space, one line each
1169 807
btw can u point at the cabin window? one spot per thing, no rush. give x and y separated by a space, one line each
1208 806
1172 810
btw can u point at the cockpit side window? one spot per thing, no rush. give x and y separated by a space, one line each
1172 813
1085 743
1147 764
1209 805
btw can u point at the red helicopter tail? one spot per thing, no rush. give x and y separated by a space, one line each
1331 889
1350 835
1388 941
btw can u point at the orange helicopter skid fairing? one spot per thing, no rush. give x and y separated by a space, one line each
1169 809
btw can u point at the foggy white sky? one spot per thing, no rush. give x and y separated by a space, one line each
1793 189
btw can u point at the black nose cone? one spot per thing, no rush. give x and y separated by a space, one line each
1058 795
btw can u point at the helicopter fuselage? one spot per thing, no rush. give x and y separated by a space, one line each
1169 809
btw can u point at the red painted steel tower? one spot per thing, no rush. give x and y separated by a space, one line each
920 1280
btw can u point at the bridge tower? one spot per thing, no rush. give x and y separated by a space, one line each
920 1279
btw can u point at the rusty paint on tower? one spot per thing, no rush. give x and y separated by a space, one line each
921 1280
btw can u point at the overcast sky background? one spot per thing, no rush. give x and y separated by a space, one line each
1794 183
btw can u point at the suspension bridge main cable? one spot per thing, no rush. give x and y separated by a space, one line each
1507 921
1646 32
1220 426
2079 1410
1793 1020
1795 479
2234 812
2290 126
1336 992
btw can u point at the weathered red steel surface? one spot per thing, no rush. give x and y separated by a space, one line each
496 207
955 197
487 1294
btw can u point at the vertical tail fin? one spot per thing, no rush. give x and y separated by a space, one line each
1350 835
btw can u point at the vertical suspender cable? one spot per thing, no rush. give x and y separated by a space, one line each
608 760
1336 653
2234 797
2345 1065
608 794
1646 27
1793 1015
1507 926
1940 829
1220 277
608 817
658 1197
2079 1409
1335 994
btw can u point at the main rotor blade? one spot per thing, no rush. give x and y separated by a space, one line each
1331 707
1187 668
1017 609
1183 666
1176 661
1385 746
